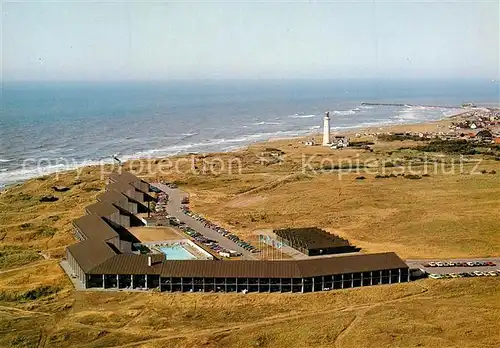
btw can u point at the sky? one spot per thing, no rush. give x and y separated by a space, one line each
161 40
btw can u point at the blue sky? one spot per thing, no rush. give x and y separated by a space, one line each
69 40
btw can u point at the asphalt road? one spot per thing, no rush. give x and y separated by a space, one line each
174 209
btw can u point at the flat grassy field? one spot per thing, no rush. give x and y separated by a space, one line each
452 212
447 313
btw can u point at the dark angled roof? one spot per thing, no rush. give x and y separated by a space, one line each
90 253
117 199
129 178
124 176
119 186
126 189
112 197
130 264
236 268
350 264
138 264
484 133
311 238
102 209
93 227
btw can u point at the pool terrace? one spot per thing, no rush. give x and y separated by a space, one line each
181 249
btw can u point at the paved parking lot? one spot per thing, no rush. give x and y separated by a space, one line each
422 264
174 209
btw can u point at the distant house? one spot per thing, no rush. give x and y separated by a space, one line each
339 142
484 134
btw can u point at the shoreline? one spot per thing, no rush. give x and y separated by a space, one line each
382 127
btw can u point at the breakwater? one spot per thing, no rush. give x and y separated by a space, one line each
402 104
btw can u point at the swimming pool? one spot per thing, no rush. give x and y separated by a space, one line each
176 252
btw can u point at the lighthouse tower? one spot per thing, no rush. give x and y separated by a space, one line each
326 129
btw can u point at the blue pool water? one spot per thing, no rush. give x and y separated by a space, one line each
176 252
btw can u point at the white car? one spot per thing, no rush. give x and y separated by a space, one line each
435 276
432 264
478 273
471 264
452 264
439 264
492 273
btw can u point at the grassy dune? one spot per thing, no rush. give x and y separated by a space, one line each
463 312
453 212
441 215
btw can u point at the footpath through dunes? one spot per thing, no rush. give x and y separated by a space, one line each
412 314
444 215
276 183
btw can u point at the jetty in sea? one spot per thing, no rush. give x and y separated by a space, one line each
427 106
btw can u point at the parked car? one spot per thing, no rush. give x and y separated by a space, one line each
174 221
154 189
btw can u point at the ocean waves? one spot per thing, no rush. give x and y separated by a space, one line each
45 168
266 123
213 145
413 113
302 116
190 133
344 112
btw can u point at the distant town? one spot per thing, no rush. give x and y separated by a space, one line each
480 125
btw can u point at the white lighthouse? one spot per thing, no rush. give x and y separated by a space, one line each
326 129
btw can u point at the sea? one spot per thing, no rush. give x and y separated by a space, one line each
53 126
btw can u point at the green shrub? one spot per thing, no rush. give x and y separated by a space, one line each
46 231
24 196
28 295
17 258
399 137
413 176
462 147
